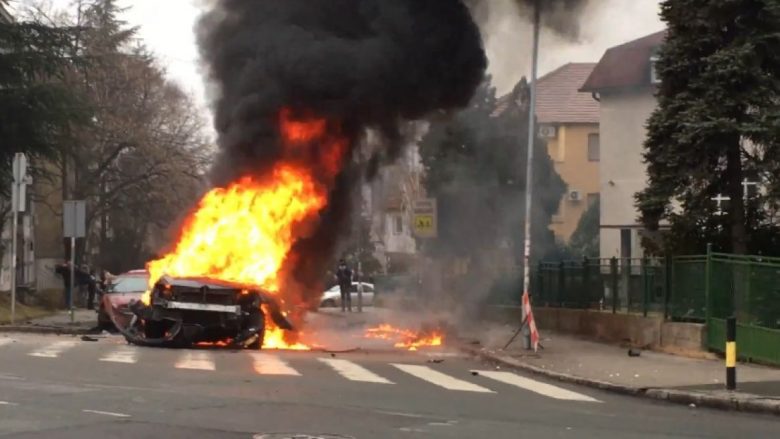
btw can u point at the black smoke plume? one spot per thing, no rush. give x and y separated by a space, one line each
561 16
366 64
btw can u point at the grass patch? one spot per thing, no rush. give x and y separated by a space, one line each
23 312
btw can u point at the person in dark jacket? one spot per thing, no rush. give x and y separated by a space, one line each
344 277
64 271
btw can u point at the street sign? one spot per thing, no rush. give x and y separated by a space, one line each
19 167
19 183
74 219
424 219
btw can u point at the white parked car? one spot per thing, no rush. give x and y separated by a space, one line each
331 298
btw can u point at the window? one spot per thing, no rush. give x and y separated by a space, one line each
129 284
398 225
593 199
654 78
594 147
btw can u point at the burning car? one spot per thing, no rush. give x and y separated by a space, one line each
181 311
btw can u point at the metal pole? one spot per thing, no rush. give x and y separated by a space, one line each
15 232
72 276
360 265
529 169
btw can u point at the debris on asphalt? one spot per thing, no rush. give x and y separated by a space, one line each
634 353
474 372
436 360
88 338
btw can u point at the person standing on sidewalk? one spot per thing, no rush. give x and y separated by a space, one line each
344 277
64 271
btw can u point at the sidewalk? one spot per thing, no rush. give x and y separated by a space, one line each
58 323
653 374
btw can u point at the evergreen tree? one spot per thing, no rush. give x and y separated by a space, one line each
475 168
715 126
35 106
584 241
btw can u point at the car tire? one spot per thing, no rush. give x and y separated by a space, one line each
154 330
330 303
258 344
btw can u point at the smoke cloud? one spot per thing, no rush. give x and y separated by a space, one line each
365 64
561 16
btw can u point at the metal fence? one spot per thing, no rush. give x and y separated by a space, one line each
627 285
702 288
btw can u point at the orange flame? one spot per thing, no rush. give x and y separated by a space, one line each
243 233
406 338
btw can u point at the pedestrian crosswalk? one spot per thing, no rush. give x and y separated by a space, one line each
354 372
53 350
440 379
122 355
276 364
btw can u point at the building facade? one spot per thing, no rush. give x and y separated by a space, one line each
624 82
568 120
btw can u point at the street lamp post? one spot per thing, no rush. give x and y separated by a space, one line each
529 170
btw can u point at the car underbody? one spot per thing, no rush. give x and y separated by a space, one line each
186 311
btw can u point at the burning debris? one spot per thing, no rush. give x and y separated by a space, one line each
300 84
406 338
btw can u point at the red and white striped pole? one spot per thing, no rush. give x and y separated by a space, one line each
527 315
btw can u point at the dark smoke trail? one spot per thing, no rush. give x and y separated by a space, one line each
562 16
364 63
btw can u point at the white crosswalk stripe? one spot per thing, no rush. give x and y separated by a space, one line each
125 354
53 350
535 386
267 364
195 361
440 379
5 341
354 372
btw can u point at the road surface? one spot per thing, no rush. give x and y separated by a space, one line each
62 387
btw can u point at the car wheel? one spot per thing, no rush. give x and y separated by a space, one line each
154 330
330 303
258 344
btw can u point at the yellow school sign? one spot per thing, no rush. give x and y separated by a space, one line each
424 218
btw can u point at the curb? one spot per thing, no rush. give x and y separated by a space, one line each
742 402
45 330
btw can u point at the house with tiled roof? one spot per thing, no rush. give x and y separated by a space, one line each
624 83
569 120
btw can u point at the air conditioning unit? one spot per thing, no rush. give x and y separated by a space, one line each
575 196
548 131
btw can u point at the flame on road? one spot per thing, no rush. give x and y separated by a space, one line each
406 338
243 233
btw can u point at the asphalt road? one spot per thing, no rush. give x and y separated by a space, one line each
62 387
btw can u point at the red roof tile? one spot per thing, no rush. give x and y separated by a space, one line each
625 66
558 99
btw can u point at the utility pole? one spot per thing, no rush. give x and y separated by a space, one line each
529 170
18 197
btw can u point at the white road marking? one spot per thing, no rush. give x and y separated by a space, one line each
440 379
196 361
7 403
5 341
267 364
544 389
125 354
53 350
354 372
99 412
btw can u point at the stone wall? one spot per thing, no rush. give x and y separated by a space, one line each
645 332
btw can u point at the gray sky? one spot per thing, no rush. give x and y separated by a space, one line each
167 28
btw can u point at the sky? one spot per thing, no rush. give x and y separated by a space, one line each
166 26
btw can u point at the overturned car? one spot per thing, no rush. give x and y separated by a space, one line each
185 311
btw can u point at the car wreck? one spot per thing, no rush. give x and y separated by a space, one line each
184 311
